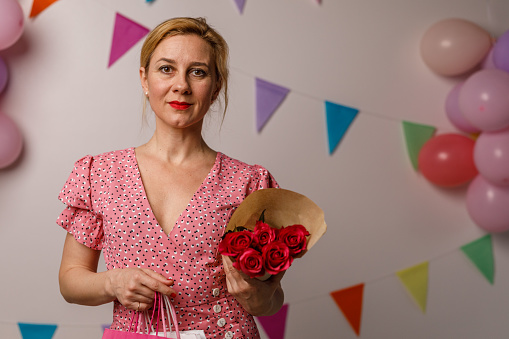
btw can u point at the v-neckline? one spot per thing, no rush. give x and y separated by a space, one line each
145 196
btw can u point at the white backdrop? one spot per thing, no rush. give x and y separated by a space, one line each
382 215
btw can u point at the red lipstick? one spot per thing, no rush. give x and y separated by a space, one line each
180 105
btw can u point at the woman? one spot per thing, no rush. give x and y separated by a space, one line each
158 211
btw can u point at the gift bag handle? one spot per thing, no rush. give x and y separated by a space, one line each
161 302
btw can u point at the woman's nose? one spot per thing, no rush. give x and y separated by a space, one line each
181 84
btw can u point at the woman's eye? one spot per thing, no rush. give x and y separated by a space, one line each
198 72
165 69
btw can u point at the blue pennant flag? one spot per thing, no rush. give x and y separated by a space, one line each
339 118
37 331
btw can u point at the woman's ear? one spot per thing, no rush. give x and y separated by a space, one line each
217 90
143 79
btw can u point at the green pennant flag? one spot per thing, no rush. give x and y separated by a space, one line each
415 280
416 136
480 252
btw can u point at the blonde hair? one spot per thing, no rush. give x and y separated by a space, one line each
199 27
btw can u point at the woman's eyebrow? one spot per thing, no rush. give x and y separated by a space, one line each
196 63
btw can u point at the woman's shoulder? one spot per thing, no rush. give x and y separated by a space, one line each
238 166
106 159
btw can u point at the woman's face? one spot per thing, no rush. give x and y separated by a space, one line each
180 81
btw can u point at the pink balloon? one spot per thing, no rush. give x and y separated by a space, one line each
454 46
487 205
484 99
453 111
488 62
11 22
11 141
491 156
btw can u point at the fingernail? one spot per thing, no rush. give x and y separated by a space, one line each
173 295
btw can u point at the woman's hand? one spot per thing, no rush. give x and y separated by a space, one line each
257 297
80 282
135 287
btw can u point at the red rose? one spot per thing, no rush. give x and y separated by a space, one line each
294 237
250 262
264 234
234 243
276 257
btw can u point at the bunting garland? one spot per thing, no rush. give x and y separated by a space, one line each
416 136
349 301
40 5
274 326
125 35
240 5
268 98
37 331
415 280
338 118
480 252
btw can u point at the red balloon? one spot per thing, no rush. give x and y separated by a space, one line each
448 160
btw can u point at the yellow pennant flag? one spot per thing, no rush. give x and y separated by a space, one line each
415 280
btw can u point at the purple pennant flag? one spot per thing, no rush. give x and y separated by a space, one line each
240 5
274 325
268 98
125 35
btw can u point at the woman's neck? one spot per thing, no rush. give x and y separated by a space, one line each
177 146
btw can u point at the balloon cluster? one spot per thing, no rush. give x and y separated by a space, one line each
11 28
478 105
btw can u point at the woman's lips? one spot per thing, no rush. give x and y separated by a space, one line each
180 105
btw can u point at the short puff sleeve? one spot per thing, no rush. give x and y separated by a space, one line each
261 179
79 218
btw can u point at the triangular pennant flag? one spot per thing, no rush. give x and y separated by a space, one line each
415 280
274 325
149 0
125 35
319 1
240 5
339 118
37 331
416 136
268 98
40 5
480 252
349 301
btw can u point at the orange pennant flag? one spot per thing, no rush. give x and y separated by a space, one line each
40 5
349 301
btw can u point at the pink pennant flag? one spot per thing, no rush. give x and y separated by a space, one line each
125 35
240 5
268 98
274 325
319 2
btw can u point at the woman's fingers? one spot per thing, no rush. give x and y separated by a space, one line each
135 288
157 283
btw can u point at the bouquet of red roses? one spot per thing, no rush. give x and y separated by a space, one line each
265 250
258 248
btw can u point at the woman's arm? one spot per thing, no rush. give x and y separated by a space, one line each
259 298
80 282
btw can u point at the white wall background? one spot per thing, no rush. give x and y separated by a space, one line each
382 216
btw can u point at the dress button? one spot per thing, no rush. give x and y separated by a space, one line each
217 308
215 292
229 335
221 322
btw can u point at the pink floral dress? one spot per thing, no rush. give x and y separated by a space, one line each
107 209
